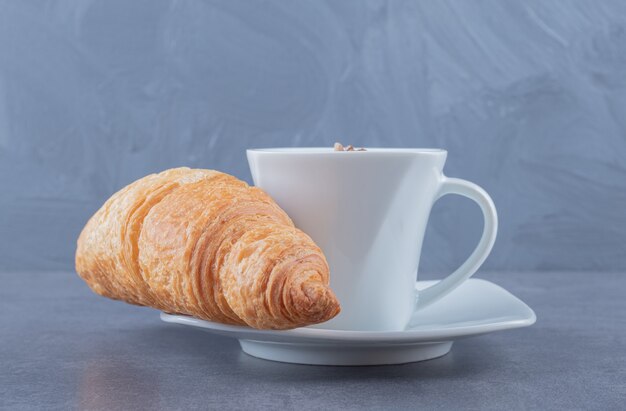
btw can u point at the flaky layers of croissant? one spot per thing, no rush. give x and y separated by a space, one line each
203 243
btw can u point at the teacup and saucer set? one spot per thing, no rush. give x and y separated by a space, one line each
368 210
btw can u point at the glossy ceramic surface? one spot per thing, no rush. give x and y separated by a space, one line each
368 212
476 307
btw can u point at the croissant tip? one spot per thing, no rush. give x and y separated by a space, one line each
321 303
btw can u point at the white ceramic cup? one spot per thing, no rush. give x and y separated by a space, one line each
367 211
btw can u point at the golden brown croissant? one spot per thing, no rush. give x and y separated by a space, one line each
203 243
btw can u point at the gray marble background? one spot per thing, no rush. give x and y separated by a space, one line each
528 97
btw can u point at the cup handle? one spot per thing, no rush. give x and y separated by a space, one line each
480 253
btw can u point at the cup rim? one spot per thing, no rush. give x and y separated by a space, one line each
330 151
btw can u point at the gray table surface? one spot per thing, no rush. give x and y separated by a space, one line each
62 347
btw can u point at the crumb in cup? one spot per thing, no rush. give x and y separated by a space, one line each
339 147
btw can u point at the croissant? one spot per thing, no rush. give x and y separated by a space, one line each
205 244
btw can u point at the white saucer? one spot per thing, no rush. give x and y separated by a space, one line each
476 307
